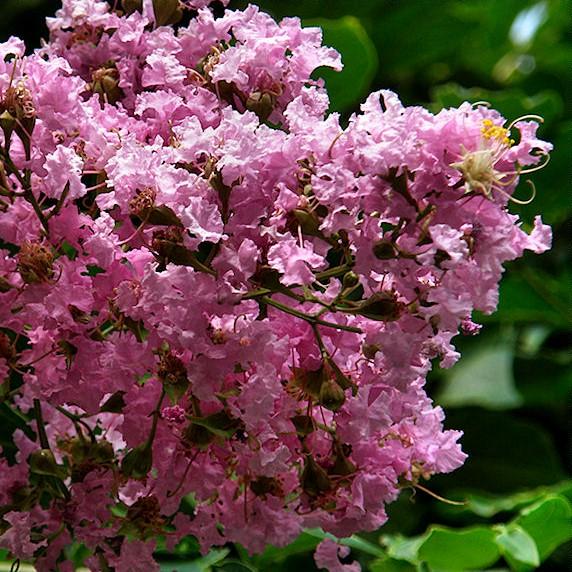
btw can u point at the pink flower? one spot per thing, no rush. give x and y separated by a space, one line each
294 262
329 556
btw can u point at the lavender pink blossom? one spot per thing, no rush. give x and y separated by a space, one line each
219 305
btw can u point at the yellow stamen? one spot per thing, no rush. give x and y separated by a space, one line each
492 131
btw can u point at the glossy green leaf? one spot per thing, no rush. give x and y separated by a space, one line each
468 549
548 522
401 548
359 56
487 506
517 546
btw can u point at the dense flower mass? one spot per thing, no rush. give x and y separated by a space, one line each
218 306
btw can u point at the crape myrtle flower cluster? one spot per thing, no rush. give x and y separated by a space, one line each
218 306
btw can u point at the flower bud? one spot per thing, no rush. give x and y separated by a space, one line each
307 221
43 462
304 425
8 124
331 395
384 250
350 280
381 306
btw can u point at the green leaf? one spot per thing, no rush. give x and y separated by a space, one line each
483 378
466 549
68 250
390 565
519 302
273 555
354 542
517 546
359 56
93 270
487 506
234 566
548 522
204 564
402 548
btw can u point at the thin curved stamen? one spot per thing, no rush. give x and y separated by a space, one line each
523 118
537 167
519 201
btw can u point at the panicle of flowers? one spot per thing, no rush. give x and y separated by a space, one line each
209 287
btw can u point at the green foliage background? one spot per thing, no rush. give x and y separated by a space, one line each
512 391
